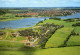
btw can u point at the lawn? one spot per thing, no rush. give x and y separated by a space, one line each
50 51
59 37
11 44
74 41
58 22
77 29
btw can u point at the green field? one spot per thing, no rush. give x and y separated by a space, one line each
50 51
11 44
77 30
58 22
74 41
9 16
16 47
58 38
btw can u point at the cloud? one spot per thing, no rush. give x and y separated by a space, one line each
50 1
39 1
76 0
8 0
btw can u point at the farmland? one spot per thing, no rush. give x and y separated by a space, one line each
74 41
49 51
9 16
77 30
58 37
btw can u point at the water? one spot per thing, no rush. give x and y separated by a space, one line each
28 22
76 15
21 23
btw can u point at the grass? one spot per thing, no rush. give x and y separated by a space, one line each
58 38
11 44
50 51
74 41
20 38
9 17
9 36
58 22
77 29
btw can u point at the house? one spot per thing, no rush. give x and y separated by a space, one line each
15 34
2 33
27 14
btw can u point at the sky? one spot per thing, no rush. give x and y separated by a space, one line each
39 3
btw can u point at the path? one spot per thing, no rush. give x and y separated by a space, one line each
6 36
47 31
33 43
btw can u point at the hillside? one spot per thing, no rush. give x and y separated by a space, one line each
55 37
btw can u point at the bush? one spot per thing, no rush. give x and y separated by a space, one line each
51 31
2 33
69 20
2 11
39 22
28 32
55 18
77 24
74 33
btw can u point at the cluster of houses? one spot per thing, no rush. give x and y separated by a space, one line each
47 13
2 33
27 14
57 12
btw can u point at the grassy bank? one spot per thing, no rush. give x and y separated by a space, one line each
58 22
9 17
14 18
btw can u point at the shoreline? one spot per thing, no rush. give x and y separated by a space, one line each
17 18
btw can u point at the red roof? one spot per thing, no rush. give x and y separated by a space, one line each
28 14
29 36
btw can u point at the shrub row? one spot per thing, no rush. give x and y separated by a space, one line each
77 24
44 39
55 18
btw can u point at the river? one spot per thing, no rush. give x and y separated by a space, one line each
28 22
21 23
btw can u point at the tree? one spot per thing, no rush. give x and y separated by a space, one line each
2 12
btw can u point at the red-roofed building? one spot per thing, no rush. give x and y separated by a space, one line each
28 14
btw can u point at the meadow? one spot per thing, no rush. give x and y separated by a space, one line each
74 41
9 17
59 37
58 22
49 51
